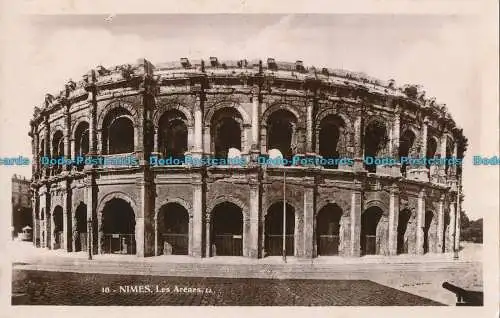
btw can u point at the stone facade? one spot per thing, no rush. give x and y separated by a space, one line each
203 110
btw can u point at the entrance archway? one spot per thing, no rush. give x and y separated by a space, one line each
227 230
370 220
403 222
328 229
58 227
118 225
173 230
274 230
81 227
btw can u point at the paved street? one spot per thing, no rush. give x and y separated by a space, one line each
64 288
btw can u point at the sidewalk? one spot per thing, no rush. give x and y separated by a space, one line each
420 275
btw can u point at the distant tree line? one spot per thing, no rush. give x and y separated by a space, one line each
471 231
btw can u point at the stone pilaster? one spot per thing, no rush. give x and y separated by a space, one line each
420 222
309 219
74 229
441 171
440 234
356 210
66 243
198 124
196 234
36 154
35 212
358 143
253 235
255 118
420 173
46 150
458 221
452 226
309 126
67 135
396 126
393 219
143 221
52 222
90 219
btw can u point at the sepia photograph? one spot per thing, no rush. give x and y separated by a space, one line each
249 159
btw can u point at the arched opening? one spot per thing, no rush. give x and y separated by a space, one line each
406 143
375 140
331 129
227 230
281 127
173 134
118 225
431 149
428 234
274 230
328 226
370 220
58 149
81 142
81 227
227 126
118 132
173 230
403 222
58 227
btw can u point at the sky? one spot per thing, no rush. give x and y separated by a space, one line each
443 53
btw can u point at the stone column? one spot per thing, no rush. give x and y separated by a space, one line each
356 210
421 173
156 232
198 124
253 239
309 220
393 219
420 222
155 141
440 233
196 235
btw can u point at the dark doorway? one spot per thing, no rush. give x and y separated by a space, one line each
121 136
403 221
375 140
58 227
369 222
274 230
173 134
280 129
405 147
429 216
328 230
227 230
226 132
118 227
81 228
331 129
173 230
445 231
